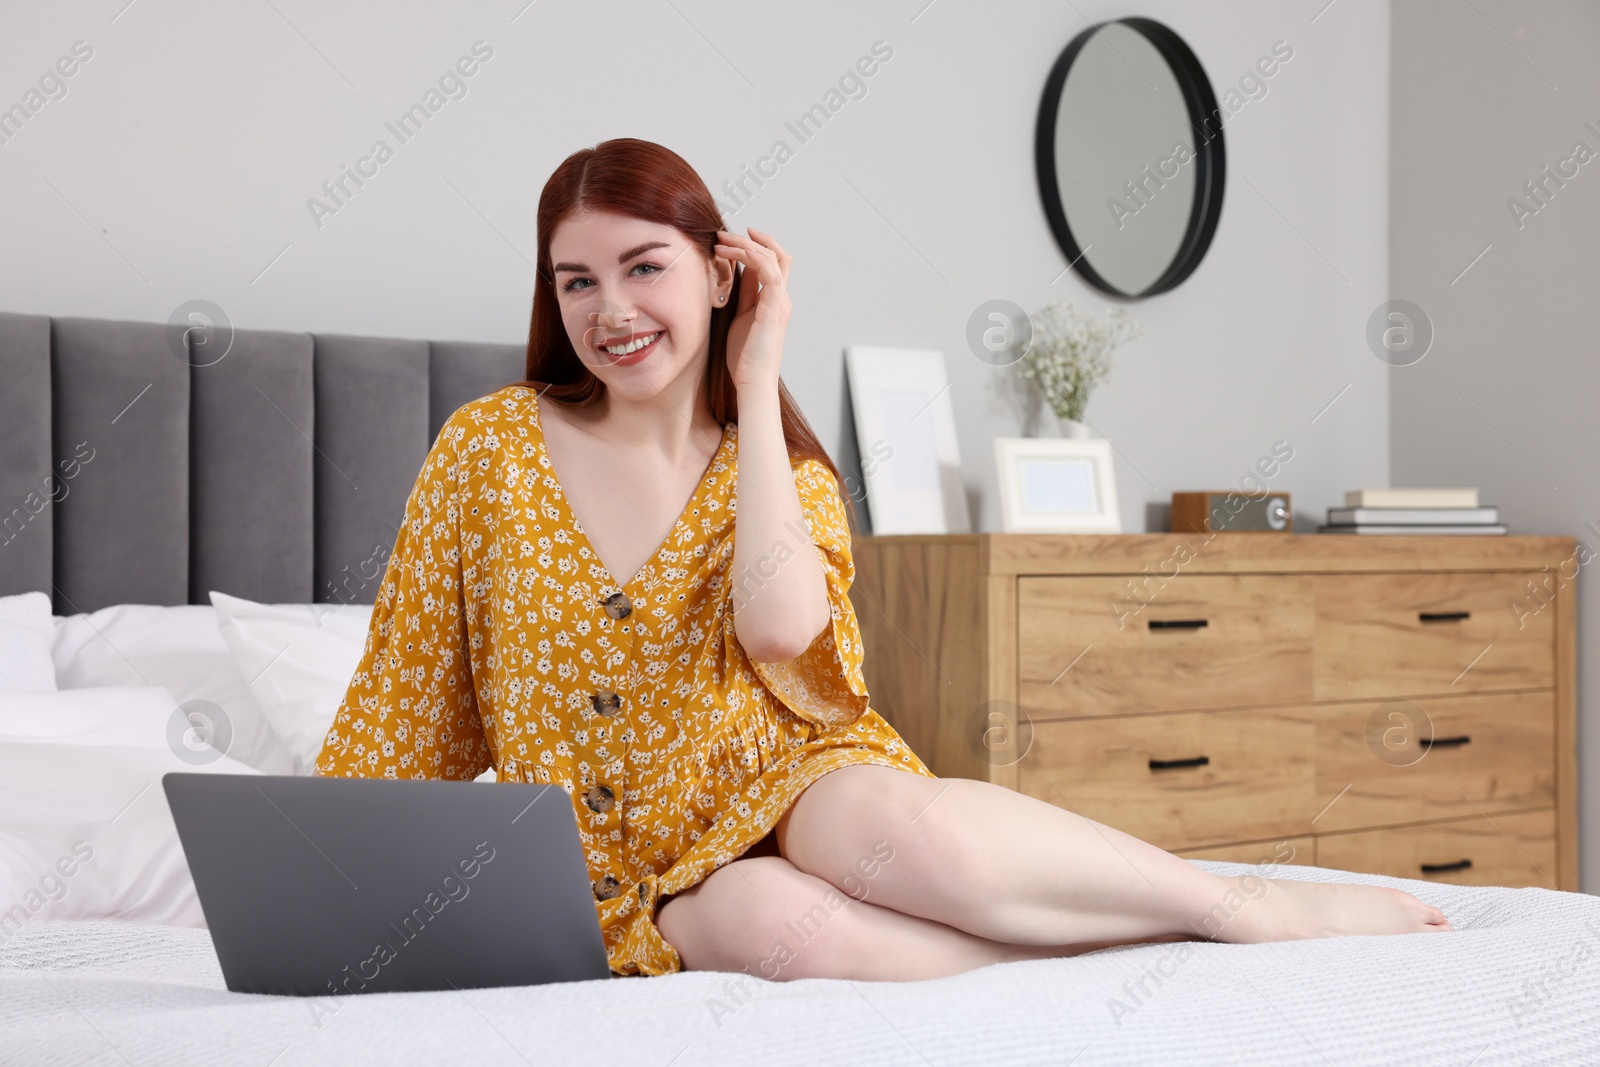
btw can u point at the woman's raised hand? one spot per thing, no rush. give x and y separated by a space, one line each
755 339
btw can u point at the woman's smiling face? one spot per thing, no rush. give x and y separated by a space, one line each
621 281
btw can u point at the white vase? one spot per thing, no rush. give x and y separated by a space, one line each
1073 428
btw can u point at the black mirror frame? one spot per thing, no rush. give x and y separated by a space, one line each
1210 162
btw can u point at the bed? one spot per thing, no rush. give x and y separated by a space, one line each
234 505
1517 982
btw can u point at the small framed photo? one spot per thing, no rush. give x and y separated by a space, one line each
1050 485
906 433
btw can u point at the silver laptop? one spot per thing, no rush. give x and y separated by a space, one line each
331 886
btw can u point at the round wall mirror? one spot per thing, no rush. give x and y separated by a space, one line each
1130 159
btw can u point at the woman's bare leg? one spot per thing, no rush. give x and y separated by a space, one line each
761 915
1013 869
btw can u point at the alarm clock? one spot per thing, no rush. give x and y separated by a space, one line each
1231 511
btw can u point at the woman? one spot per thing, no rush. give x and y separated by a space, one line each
691 672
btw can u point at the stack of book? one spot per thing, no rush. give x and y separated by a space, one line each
1414 511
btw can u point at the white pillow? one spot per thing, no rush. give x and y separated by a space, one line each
178 648
26 624
298 660
86 832
301 658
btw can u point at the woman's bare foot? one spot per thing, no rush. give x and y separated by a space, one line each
1258 909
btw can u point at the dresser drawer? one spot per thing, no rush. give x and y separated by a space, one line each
1299 850
1097 645
1180 781
1515 850
1392 635
1489 752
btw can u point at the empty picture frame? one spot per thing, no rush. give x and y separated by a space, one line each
906 433
1050 485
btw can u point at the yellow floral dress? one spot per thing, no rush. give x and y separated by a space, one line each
499 639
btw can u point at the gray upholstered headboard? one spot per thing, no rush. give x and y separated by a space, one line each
130 473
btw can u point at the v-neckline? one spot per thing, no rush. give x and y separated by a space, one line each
577 525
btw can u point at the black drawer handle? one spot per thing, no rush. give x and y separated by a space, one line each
1165 764
1436 868
1443 742
1176 624
1443 616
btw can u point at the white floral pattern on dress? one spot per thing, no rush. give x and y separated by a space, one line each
491 645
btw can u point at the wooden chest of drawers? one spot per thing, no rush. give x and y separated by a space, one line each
1400 705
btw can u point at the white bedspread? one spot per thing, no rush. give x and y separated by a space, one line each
1518 981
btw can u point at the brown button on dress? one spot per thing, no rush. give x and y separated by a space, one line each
599 798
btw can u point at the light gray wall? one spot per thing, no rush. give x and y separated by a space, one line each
179 164
1505 398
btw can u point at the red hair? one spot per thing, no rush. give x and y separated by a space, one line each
642 179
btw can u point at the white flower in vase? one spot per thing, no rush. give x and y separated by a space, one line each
1069 354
